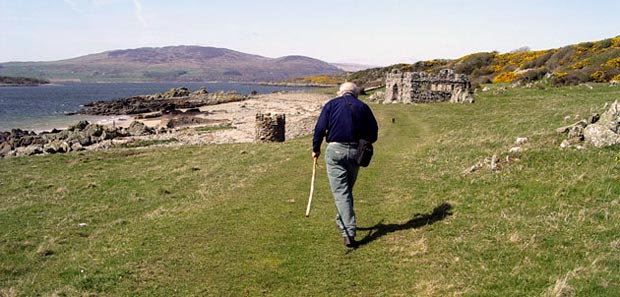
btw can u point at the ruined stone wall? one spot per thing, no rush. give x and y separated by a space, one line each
270 128
421 87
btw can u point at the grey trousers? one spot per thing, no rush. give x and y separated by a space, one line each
342 173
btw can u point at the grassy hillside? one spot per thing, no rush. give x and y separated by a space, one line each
597 62
228 220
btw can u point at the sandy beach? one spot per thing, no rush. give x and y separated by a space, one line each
238 118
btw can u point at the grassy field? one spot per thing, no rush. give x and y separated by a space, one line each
228 220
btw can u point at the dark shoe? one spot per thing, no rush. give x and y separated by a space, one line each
350 242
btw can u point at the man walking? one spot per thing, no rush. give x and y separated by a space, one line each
344 120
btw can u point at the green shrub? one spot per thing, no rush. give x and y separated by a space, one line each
572 78
533 75
559 57
606 43
480 80
468 64
611 74
430 66
539 62
482 71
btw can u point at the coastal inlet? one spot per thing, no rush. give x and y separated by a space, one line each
176 117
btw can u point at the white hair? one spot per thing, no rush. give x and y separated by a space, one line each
348 87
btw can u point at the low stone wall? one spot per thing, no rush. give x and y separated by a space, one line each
270 127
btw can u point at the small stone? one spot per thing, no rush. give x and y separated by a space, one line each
515 149
521 140
494 161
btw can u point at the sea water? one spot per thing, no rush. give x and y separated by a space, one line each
41 108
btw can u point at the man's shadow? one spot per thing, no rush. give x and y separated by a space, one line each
419 220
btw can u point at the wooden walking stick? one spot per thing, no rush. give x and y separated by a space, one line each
311 187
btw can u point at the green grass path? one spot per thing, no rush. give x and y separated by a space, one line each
228 220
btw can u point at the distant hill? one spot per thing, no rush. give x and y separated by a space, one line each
352 67
597 61
172 63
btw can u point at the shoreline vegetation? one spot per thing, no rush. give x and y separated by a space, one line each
15 81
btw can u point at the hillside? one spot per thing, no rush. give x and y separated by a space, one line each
173 63
597 61
228 220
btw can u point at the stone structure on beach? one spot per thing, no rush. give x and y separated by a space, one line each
422 87
270 127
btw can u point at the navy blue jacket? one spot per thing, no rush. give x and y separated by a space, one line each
336 122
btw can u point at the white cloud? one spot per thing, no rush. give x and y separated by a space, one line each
139 15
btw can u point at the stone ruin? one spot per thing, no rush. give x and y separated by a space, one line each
597 131
422 87
270 128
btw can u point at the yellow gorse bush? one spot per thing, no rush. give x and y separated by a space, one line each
505 77
531 56
321 79
615 62
581 64
497 68
516 59
598 76
589 48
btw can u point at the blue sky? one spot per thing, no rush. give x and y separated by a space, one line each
364 31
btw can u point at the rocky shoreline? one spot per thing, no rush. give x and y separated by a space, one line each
168 102
17 142
174 118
